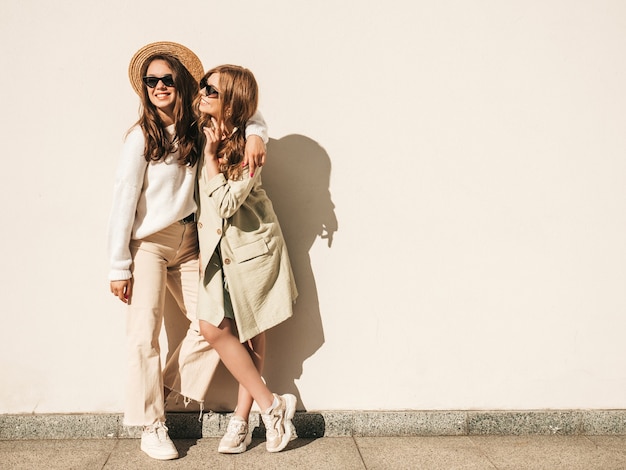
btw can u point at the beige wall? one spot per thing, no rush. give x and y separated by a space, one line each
469 154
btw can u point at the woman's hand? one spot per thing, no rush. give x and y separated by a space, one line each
254 155
122 289
214 134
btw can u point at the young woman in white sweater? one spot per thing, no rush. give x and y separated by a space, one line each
153 240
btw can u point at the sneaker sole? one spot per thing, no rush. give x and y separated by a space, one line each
290 411
161 456
170 456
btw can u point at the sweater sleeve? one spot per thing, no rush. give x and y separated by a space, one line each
228 195
127 190
257 126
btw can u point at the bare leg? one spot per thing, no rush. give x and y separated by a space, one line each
256 349
237 360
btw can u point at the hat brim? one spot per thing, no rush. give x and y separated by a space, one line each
185 56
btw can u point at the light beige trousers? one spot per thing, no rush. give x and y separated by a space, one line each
165 261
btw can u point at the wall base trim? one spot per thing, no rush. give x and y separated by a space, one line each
313 424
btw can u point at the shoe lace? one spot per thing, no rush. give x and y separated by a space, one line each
159 429
271 422
235 428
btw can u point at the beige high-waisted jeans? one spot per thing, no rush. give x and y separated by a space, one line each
167 260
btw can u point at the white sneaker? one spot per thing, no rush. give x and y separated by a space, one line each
237 438
157 444
278 426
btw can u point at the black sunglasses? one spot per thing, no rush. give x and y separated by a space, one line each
151 82
210 90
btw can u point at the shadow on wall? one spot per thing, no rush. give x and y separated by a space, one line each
297 177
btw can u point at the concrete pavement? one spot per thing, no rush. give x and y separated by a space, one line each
550 452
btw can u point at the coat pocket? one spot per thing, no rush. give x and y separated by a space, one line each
250 251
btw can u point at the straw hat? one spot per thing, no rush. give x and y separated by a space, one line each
180 52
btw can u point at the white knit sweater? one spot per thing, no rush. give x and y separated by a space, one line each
149 197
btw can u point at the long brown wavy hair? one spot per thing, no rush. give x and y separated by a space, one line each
239 95
186 133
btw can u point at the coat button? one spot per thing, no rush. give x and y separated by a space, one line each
226 260
219 231
199 224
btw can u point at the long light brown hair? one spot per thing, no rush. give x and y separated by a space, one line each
239 96
186 133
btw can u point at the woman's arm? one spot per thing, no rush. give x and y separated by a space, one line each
127 189
228 195
256 138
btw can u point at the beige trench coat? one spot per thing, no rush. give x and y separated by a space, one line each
239 217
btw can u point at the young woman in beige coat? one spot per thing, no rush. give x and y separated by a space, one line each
247 284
